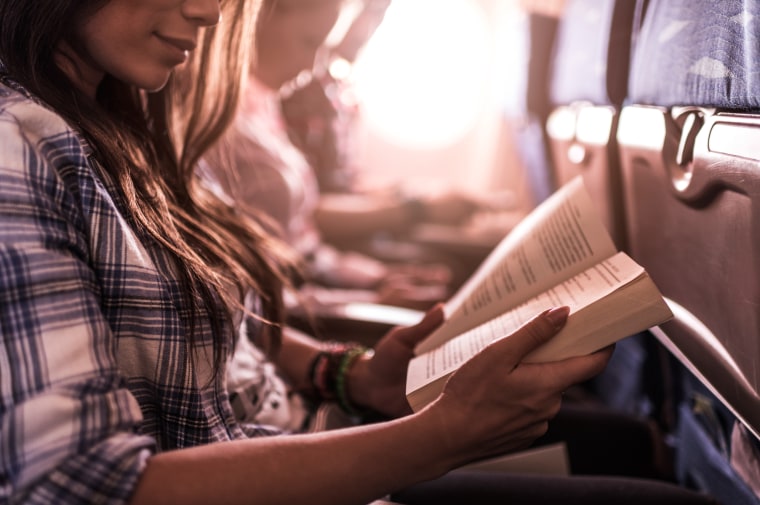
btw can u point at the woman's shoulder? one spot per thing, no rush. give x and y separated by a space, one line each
22 115
36 140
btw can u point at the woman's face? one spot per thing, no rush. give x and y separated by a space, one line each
289 33
136 41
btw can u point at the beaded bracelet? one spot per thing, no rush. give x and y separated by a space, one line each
329 369
341 389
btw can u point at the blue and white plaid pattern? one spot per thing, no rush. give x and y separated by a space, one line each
95 373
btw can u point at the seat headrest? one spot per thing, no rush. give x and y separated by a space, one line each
592 52
698 52
531 39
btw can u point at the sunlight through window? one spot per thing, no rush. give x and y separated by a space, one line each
422 78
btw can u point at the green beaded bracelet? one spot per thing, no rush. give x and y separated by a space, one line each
341 391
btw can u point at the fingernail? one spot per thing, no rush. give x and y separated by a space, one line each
557 316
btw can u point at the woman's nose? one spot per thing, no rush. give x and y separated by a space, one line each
204 12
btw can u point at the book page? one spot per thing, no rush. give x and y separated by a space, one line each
578 292
561 237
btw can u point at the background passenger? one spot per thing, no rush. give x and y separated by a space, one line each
259 167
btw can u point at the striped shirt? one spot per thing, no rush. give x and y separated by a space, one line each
95 373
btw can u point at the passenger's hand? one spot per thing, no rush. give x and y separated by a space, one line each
379 382
348 270
451 208
401 292
495 404
414 286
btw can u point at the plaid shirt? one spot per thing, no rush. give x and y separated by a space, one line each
95 373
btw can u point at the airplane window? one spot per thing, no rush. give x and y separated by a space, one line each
421 79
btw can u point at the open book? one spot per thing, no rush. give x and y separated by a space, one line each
560 254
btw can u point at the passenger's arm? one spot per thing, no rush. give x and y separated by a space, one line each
69 428
493 404
295 356
342 217
375 381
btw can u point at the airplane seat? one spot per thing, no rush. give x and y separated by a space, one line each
588 85
361 322
526 100
689 143
589 82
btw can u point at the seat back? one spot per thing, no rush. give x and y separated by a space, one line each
526 99
689 141
589 83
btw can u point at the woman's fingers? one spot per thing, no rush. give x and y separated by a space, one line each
509 351
561 375
513 401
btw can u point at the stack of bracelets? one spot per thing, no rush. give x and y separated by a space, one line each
329 370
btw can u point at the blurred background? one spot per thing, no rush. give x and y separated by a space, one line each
433 87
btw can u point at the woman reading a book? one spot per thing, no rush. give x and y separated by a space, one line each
123 285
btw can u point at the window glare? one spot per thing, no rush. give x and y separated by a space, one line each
421 79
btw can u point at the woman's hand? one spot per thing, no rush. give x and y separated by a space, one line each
379 382
496 404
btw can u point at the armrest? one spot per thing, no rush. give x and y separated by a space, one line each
360 322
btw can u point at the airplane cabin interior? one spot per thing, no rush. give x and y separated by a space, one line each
656 105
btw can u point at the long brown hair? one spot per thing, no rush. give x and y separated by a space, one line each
221 255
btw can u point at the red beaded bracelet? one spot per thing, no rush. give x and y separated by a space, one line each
329 369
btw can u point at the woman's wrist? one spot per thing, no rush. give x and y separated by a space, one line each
352 397
359 390
333 374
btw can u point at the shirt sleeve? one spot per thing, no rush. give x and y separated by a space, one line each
68 425
253 179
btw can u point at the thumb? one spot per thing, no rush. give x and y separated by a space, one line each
530 336
412 335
